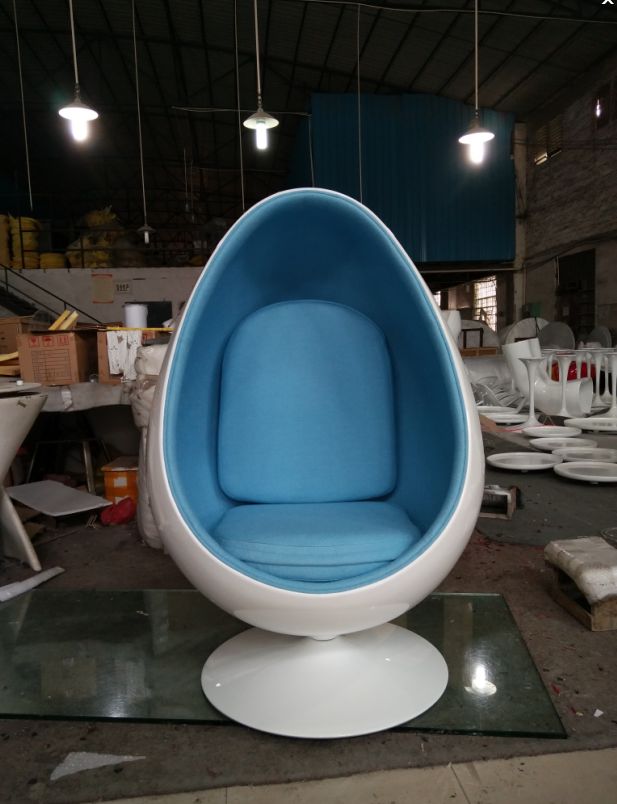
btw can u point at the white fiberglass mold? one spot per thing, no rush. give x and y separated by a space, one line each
315 466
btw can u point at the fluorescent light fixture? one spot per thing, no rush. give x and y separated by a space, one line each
77 112
79 115
260 122
476 136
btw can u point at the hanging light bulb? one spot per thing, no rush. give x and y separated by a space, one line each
146 231
259 121
77 112
79 115
476 136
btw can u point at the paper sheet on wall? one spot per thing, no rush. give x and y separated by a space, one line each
102 288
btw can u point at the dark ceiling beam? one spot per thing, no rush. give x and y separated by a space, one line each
353 78
573 35
470 55
180 74
434 50
570 90
34 52
291 82
333 36
396 52
514 52
141 39
208 70
129 76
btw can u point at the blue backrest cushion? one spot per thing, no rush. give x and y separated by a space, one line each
306 407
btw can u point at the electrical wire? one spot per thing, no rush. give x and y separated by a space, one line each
475 55
238 103
258 68
23 105
454 10
359 95
141 150
74 46
235 110
310 146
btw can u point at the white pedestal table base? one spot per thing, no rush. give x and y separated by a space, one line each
300 687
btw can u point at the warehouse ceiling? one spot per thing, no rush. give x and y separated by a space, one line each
531 52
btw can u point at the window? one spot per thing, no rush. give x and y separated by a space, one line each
437 297
547 141
485 301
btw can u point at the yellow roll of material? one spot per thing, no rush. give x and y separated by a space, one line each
5 253
23 223
29 261
101 219
98 259
50 259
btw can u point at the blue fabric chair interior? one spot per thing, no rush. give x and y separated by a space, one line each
315 441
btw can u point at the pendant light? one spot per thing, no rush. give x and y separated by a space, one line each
77 113
259 121
476 136
146 231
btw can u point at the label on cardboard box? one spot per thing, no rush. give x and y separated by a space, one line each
51 341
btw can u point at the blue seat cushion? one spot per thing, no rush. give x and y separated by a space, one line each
316 541
306 407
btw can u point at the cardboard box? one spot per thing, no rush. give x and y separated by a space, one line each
57 358
10 328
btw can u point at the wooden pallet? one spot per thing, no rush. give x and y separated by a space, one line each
600 616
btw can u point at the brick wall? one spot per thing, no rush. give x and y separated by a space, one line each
572 206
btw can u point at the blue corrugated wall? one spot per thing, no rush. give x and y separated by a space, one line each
415 174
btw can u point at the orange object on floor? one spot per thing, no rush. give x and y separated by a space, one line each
121 479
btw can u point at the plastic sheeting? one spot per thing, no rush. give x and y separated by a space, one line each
148 364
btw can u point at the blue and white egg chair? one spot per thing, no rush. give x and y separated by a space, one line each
315 466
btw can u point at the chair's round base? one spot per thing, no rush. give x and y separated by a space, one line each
300 687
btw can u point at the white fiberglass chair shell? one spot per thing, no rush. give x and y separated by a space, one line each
315 466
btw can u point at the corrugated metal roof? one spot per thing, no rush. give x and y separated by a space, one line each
187 57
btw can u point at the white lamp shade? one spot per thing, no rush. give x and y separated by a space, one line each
475 134
78 111
260 119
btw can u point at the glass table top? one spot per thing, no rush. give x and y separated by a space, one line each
138 656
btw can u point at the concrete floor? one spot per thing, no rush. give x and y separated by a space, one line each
576 665
583 776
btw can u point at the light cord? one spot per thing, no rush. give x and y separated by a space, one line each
74 46
257 53
476 53
23 105
238 105
359 105
141 150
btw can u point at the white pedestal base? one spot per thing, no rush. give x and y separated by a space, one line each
300 687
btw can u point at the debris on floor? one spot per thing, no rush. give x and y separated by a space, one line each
55 499
78 761
12 590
